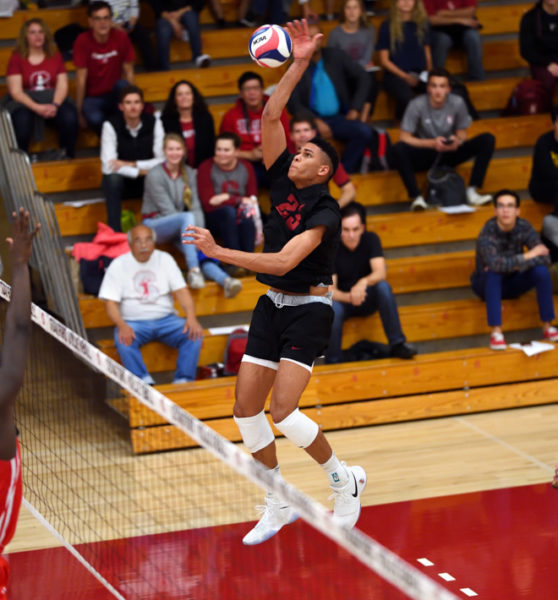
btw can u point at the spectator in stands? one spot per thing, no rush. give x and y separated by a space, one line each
333 90
303 129
139 289
179 19
543 185
171 203
125 16
186 113
435 123
104 60
245 119
38 88
131 144
360 287
454 24
510 260
404 47
538 42
356 38
228 191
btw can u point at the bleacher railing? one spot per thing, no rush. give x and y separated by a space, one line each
18 188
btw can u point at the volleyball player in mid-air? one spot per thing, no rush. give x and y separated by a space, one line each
291 323
17 333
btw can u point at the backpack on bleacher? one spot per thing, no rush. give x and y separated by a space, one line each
236 346
529 97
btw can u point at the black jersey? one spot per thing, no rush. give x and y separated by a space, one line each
292 212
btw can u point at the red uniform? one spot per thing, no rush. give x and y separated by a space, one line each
36 77
10 501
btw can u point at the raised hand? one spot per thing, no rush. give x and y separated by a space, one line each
21 242
303 44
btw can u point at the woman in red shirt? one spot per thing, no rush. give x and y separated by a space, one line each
38 88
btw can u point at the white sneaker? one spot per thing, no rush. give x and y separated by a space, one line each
195 279
276 513
419 203
476 199
232 287
346 507
203 61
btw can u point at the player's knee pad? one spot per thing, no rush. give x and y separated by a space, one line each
256 431
298 428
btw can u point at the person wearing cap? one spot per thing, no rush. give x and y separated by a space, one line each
291 322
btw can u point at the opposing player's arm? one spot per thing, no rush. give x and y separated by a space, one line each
17 331
273 263
274 140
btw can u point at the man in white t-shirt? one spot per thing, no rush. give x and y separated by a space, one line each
139 289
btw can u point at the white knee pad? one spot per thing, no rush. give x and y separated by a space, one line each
298 428
256 431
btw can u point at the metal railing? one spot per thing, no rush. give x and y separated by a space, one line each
18 188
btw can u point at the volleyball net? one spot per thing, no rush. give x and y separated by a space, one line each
167 524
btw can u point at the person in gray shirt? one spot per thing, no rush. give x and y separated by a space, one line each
435 125
355 37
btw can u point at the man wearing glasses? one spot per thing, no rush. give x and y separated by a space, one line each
104 59
510 260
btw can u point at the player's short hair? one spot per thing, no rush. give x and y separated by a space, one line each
354 208
229 135
439 72
506 192
329 151
130 89
295 119
97 6
248 76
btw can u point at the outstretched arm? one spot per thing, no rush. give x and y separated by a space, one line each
274 140
17 331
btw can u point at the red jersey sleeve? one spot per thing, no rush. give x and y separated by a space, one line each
205 185
60 65
81 50
15 66
340 176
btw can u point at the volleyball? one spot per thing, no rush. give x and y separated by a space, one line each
270 46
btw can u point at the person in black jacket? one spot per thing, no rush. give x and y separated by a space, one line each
538 42
178 18
333 90
186 113
543 185
131 144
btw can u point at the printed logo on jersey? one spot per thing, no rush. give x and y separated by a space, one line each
104 56
145 286
252 128
40 80
291 212
230 187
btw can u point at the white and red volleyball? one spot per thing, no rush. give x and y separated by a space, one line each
270 46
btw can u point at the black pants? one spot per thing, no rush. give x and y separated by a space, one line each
545 191
401 92
115 188
408 159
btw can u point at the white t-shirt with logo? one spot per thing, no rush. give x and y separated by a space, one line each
143 290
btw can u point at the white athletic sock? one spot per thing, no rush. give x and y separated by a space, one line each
270 493
336 472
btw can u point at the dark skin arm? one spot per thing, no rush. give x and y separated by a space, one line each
17 331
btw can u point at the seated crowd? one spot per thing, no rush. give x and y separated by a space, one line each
186 174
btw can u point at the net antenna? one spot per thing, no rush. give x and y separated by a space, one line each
371 553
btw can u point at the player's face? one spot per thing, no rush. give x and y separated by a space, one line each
506 212
35 36
438 89
252 93
302 133
131 106
352 11
184 97
225 153
351 231
101 22
174 152
142 244
308 166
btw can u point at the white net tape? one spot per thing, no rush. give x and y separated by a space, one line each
370 552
